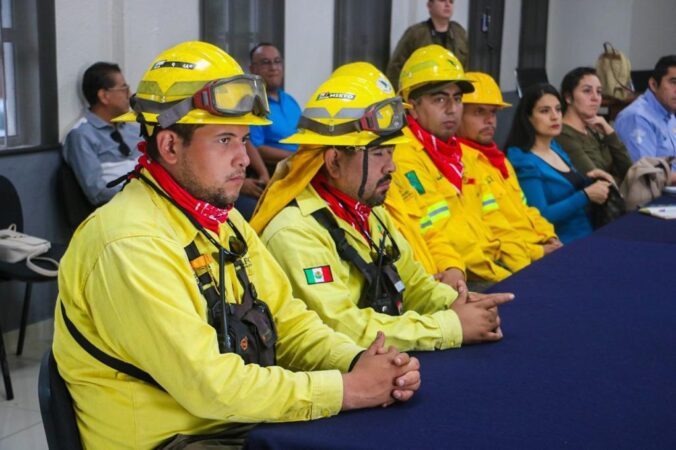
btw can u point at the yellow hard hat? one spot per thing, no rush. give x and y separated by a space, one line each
367 71
486 91
431 64
351 111
198 83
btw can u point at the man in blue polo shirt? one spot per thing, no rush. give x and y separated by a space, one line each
267 62
97 150
648 126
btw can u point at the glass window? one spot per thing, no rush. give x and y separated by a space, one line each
533 36
28 113
362 32
237 25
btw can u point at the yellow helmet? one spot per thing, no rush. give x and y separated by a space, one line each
367 71
486 91
198 83
431 64
350 111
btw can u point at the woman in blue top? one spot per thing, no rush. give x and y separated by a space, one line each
545 171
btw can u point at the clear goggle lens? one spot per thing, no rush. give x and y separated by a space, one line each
384 117
234 96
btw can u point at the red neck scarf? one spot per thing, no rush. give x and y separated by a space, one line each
208 215
446 156
350 210
492 152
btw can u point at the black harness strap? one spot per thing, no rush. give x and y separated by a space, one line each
253 315
105 358
345 250
234 321
383 285
216 314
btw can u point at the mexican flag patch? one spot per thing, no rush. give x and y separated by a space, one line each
318 275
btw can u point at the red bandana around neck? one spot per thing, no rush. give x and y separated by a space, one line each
208 215
350 210
446 156
492 152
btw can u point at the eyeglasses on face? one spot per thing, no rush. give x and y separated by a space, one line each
124 88
269 63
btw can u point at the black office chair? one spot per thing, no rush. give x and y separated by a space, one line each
639 78
529 77
56 406
75 202
11 213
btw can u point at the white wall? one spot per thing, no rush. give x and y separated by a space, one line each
578 28
653 32
128 32
133 32
643 29
308 46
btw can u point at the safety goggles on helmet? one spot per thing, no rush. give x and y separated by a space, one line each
234 96
382 118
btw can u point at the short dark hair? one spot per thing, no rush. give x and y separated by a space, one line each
571 80
98 76
256 47
522 134
662 67
184 130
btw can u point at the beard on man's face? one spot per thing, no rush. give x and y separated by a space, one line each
377 198
217 197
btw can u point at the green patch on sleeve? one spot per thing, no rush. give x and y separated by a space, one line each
414 181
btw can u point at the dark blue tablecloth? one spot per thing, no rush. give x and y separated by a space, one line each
588 361
642 227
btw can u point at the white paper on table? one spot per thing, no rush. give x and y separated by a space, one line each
661 211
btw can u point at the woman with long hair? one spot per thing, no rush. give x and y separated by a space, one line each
587 138
545 172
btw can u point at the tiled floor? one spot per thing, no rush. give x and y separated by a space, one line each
20 421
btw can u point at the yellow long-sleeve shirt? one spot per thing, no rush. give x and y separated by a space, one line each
447 218
437 257
510 217
128 287
300 243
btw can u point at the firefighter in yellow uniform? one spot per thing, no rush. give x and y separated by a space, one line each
504 206
439 184
172 318
440 259
322 219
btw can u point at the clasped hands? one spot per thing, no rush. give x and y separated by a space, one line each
380 377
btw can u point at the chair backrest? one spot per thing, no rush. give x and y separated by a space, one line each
74 201
529 77
56 406
10 212
639 78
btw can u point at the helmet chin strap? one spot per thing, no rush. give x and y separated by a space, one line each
364 173
365 162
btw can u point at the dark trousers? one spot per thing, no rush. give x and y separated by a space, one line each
231 438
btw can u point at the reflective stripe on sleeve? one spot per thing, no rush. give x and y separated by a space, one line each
435 212
489 203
